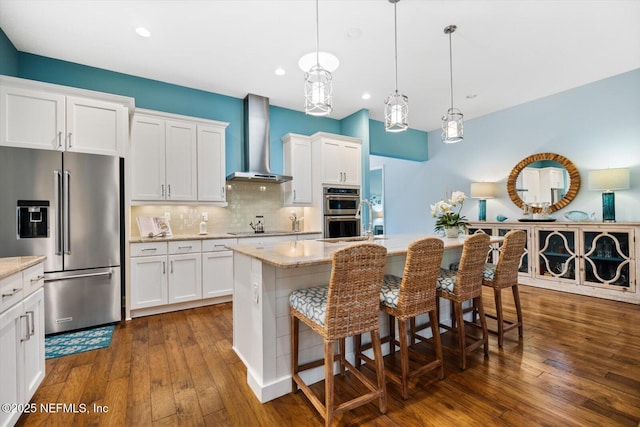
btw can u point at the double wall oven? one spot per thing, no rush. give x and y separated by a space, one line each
340 207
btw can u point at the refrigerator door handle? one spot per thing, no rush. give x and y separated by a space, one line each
80 276
67 214
58 219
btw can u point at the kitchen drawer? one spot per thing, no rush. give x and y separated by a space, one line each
265 240
214 245
10 291
185 247
33 279
149 249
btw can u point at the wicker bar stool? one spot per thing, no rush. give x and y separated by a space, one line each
404 298
348 306
464 285
504 275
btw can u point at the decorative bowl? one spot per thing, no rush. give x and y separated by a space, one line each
501 218
579 216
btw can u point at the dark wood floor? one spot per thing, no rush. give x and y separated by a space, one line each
578 365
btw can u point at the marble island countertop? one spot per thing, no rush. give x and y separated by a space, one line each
13 265
227 235
310 252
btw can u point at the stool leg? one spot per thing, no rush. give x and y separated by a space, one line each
295 323
483 324
343 351
328 382
392 334
357 344
377 353
462 340
437 343
404 357
516 300
497 296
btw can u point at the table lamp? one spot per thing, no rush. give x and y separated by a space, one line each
483 191
607 180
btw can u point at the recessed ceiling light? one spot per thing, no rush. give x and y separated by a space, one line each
472 95
328 61
280 71
366 95
143 32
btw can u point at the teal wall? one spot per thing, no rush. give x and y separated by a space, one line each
8 56
409 145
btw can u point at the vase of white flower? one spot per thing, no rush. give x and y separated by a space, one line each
448 215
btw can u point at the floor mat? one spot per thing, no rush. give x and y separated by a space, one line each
78 341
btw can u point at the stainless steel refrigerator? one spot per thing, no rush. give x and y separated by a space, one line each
66 206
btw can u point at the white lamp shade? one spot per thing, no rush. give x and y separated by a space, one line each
609 179
483 190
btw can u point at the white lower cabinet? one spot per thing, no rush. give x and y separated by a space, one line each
185 278
148 281
22 364
217 268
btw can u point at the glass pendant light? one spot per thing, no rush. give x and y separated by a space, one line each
317 83
396 105
452 122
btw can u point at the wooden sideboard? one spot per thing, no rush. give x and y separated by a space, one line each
588 258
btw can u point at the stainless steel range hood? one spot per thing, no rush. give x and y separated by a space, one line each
256 143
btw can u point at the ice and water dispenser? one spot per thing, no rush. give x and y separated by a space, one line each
33 219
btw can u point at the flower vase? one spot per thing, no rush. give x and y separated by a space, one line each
451 232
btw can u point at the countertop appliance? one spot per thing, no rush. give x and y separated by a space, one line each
340 206
66 206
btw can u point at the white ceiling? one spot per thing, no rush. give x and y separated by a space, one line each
505 51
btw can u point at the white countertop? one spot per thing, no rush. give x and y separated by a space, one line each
243 235
310 252
12 265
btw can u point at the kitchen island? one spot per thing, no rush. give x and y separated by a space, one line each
265 275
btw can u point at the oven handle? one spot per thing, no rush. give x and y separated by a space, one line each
344 197
340 218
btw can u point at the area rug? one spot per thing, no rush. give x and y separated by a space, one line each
78 341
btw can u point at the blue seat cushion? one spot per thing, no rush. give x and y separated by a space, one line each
312 302
489 271
446 280
390 291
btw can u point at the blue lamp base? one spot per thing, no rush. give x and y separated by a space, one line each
482 210
608 207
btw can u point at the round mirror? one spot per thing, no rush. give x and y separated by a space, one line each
543 178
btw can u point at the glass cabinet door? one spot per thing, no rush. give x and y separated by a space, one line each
557 254
524 260
607 258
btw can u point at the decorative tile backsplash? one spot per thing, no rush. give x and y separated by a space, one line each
245 201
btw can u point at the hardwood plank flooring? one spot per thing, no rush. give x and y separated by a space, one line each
578 365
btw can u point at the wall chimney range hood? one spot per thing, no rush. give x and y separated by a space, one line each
256 143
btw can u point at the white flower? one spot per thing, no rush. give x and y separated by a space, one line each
457 197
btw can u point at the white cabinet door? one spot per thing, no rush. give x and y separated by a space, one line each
33 346
185 277
148 281
181 161
351 163
32 118
331 162
95 126
297 163
217 274
147 158
211 164
11 370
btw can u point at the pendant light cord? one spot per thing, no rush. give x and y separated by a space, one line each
317 35
395 29
451 69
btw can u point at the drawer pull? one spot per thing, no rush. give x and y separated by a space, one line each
218 246
185 247
37 279
149 249
12 293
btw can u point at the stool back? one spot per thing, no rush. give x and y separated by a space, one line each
420 277
353 299
469 275
509 261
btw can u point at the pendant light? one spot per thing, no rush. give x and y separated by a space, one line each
396 105
317 83
452 122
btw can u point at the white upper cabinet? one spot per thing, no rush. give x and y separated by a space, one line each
298 164
211 163
177 158
43 116
339 158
